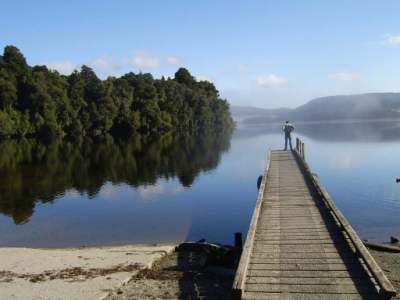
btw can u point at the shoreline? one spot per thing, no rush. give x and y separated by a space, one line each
390 264
73 273
147 271
316 122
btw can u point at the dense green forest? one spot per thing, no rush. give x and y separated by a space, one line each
38 102
33 172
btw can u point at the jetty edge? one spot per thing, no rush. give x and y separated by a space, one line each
299 243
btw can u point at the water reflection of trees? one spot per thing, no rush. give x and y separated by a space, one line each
33 172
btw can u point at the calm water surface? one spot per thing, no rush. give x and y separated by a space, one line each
175 188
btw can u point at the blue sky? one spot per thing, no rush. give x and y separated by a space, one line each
258 53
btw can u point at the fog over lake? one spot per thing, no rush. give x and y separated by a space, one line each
176 188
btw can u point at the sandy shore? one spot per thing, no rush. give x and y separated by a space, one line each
179 275
72 273
390 264
125 272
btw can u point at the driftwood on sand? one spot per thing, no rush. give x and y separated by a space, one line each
382 247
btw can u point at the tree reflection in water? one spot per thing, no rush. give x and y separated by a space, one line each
33 172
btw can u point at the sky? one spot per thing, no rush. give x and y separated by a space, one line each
258 53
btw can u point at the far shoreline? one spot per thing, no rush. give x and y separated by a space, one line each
334 121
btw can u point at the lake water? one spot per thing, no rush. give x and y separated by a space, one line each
176 188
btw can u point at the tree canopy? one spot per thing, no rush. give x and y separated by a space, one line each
38 102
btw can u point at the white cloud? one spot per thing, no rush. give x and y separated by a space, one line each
344 76
72 194
105 65
391 39
178 189
63 67
271 80
153 192
203 78
146 61
109 192
173 60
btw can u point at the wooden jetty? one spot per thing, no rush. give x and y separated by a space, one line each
299 245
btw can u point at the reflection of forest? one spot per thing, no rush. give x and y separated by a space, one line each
31 171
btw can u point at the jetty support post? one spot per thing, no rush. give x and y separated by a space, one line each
300 148
238 242
237 248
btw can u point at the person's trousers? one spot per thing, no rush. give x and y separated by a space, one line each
288 138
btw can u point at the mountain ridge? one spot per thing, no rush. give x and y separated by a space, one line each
339 107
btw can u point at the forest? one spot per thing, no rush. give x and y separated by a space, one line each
38 102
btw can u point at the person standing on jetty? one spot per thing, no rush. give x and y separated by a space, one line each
287 129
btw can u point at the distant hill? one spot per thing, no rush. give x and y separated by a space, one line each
349 107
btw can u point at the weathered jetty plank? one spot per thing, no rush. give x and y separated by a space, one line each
299 245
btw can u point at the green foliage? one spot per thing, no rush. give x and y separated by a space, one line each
14 61
184 77
35 101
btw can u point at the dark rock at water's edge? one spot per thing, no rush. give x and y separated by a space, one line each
216 254
394 240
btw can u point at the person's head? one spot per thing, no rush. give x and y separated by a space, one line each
287 122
